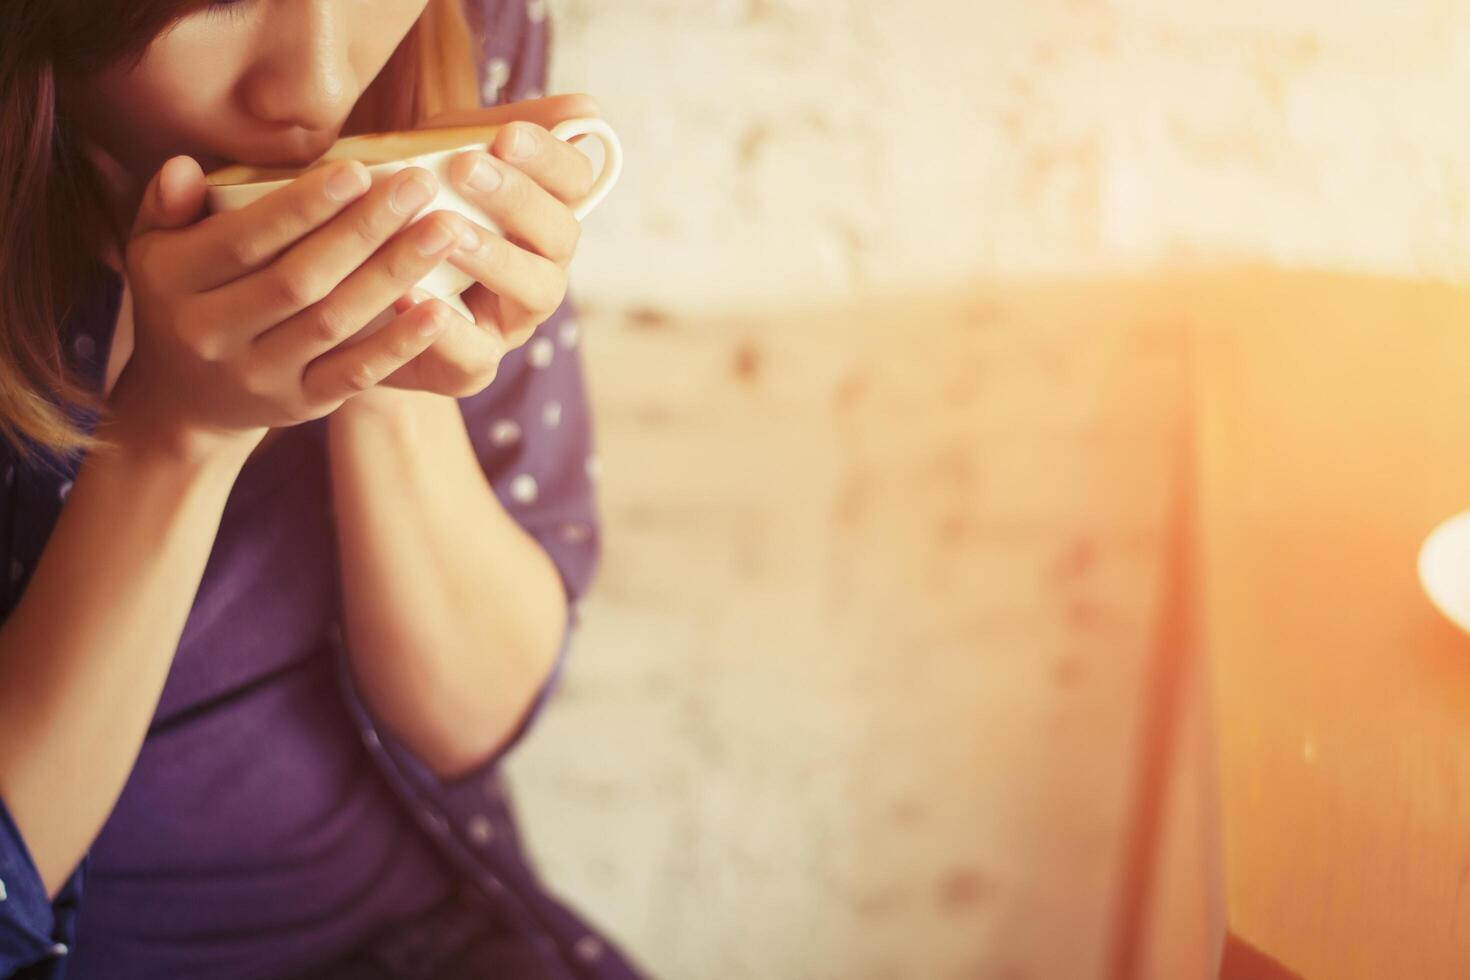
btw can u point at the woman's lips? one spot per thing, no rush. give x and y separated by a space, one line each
289 152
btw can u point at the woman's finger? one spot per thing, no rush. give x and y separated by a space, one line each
484 306
357 300
345 371
409 300
461 362
313 268
565 171
231 244
523 208
511 272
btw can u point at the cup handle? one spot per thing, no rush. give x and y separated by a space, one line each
612 165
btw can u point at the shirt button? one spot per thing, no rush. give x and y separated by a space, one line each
59 949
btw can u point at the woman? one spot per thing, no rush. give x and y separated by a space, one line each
277 606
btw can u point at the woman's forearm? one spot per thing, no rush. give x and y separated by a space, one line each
454 614
85 653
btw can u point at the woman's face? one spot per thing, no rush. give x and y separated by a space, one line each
268 82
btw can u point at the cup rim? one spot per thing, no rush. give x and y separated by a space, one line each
445 138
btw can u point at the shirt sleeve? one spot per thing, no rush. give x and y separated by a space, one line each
35 933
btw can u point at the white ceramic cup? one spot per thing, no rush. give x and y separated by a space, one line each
236 186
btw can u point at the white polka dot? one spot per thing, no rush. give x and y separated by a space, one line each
523 489
505 432
551 414
3 895
569 333
16 569
575 533
63 490
540 352
84 346
497 73
594 467
59 949
536 10
479 829
589 948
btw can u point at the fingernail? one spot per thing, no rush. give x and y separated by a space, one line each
433 325
348 182
469 240
522 143
434 239
483 175
411 195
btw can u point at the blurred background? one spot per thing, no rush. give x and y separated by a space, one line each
888 327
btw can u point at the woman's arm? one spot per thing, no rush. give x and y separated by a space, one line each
453 613
85 653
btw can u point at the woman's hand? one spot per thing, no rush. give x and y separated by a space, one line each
238 316
521 278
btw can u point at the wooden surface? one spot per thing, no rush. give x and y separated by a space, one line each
1335 419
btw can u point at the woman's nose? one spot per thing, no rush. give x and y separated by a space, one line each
304 76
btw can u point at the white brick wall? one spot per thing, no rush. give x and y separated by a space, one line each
794 150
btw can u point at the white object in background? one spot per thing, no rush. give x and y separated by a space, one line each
1444 569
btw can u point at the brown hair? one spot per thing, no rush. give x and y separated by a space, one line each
52 218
